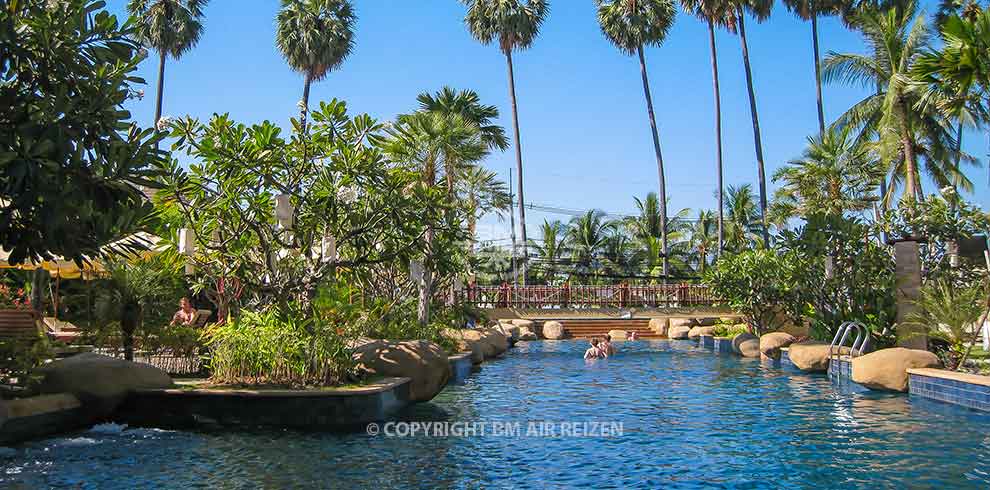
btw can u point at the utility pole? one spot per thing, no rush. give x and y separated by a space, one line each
512 223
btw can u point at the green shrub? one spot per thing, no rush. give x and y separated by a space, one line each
760 284
729 330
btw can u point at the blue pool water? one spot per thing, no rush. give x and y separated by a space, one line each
688 419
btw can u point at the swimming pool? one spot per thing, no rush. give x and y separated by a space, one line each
688 419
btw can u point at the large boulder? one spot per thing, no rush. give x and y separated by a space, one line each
510 330
696 332
469 340
496 339
618 334
886 369
771 343
523 323
746 345
812 356
682 322
101 383
422 361
659 325
680 332
553 330
527 334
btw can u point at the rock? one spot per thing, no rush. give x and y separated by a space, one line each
812 355
527 335
498 341
468 340
618 334
100 382
886 369
659 325
422 361
523 323
746 345
678 332
681 322
553 330
707 321
771 343
510 330
699 331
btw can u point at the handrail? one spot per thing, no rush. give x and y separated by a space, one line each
859 344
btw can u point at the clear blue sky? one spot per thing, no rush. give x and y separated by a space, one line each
585 135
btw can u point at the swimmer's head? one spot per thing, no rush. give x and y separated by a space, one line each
594 341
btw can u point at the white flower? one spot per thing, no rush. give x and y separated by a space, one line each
163 123
348 194
301 105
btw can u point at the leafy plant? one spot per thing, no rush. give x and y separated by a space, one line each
729 330
954 315
760 284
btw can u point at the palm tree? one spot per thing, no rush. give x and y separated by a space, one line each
314 36
586 236
809 10
905 130
551 248
760 10
170 27
630 25
703 238
743 224
715 13
834 175
482 192
514 24
468 104
428 142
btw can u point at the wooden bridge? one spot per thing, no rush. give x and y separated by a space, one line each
583 296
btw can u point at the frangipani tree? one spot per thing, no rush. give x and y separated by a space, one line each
285 215
630 25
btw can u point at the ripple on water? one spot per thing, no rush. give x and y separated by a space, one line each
689 419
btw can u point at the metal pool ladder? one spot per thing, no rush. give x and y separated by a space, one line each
859 344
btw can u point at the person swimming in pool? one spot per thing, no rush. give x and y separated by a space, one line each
593 352
633 335
606 346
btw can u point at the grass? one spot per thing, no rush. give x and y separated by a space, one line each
205 384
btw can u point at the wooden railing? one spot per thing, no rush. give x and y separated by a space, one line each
580 296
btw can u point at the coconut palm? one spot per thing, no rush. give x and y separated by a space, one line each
314 36
760 10
834 175
905 130
550 249
586 237
468 104
715 13
482 193
743 224
704 238
514 24
810 10
170 27
630 25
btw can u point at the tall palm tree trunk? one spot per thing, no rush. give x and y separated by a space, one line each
161 86
656 149
756 128
515 129
818 73
304 110
718 133
911 186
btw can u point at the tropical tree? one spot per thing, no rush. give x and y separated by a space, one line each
431 142
170 27
481 192
905 130
704 238
742 218
715 13
586 236
760 10
514 24
551 249
833 176
72 164
630 25
468 104
314 36
810 10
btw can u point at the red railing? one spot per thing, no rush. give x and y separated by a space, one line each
581 296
